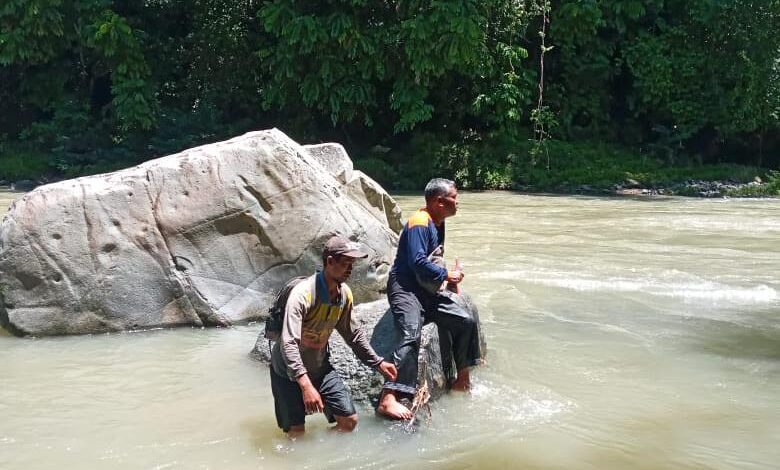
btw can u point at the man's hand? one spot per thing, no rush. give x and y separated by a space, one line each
454 276
312 401
388 370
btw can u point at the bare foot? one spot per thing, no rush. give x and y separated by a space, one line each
296 431
345 423
461 386
462 381
390 407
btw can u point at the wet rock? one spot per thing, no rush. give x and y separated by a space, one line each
203 237
631 183
630 192
375 318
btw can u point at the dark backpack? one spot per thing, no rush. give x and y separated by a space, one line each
275 320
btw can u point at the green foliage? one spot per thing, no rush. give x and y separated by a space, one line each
503 162
115 40
770 189
355 60
732 44
32 31
379 170
476 163
324 59
63 50
19 164
571 165
601 166
451 86
629 67
71 153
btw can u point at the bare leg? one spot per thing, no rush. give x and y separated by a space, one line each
296 431
345 423
462 381
390 406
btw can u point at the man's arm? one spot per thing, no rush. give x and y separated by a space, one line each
354 336
295 310
290 339
312 401
356 339
417 254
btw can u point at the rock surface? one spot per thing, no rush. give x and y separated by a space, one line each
375 318
197 238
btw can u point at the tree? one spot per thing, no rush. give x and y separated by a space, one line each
81 52
355 60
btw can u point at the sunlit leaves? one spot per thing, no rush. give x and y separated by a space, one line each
54 36
114 39
355 61
31 30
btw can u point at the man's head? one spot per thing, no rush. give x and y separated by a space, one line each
338 256
441 198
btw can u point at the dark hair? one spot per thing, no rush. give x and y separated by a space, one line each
438 187
325 254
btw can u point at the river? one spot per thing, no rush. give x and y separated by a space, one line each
622 334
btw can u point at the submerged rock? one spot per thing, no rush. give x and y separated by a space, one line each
202 237
375 318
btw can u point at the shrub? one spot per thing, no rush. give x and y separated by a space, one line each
19 164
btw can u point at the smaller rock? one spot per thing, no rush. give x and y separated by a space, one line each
632 183
377 321
334 158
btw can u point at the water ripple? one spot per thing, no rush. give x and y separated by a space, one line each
702 290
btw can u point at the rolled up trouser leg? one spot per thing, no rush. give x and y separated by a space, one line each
451 316
447 358
407 313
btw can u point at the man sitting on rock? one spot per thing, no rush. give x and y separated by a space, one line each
414 302
302 380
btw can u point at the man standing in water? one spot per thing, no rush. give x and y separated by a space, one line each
302 380
412 304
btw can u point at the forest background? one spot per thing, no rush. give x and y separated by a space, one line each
536 94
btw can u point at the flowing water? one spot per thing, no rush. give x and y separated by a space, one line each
622 334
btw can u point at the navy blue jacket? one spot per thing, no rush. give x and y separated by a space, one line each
419 238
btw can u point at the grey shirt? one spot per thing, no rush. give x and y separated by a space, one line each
303 346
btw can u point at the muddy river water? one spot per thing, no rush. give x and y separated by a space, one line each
622 334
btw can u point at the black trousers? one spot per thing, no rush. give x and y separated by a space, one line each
413 307
288 398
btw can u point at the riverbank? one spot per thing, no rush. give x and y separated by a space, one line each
565 168
690 188
630 187
582 167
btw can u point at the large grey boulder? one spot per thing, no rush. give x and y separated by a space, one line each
377 321
202 237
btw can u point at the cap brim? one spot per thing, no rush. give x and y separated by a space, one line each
355 254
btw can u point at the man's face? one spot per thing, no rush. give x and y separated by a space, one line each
449 202
340 267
